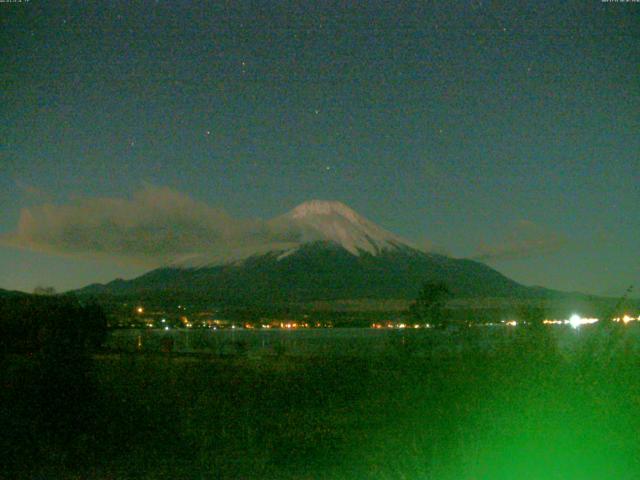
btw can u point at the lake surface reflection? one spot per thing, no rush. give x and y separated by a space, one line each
347 341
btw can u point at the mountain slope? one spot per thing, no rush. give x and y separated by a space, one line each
11 293
321 271
331 253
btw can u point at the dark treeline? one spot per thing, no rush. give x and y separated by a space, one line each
48 399
41 324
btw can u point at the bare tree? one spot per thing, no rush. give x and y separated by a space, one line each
40 290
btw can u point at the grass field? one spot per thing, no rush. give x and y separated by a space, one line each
525 410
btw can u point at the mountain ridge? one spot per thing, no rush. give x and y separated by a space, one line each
332 254
321 271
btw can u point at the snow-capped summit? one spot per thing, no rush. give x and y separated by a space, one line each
324 207
312 221
319 220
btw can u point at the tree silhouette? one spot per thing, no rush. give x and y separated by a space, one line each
531 315
40 290
429 307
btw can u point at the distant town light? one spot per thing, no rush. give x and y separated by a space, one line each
140 310
626 319
576 320
512 323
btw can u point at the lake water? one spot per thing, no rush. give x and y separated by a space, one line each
351 341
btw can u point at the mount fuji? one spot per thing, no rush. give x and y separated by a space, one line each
322 251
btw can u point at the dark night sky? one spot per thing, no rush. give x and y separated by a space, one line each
507 132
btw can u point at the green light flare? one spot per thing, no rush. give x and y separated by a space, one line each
528 412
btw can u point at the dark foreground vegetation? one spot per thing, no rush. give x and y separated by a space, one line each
525 410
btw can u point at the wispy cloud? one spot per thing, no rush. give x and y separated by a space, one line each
156 226
32 192
527 239
429 246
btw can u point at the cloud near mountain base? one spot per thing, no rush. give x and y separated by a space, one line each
526 240
156 226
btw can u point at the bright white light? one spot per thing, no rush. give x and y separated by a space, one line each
512 323
576 320
166 328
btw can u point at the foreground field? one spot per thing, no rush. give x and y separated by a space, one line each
524 409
